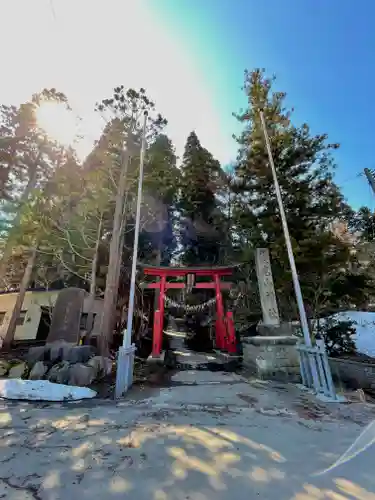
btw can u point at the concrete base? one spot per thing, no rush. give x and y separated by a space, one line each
272 357
275 330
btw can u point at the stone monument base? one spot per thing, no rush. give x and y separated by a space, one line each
282 329
272 357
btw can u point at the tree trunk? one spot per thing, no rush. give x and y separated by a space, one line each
113 264
119 262
25 196
9 336
121 246
94 265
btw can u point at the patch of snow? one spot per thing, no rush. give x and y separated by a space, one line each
365 330
42 390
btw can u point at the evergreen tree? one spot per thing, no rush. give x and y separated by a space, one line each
200 214
312 201
28 158
160 197
363 222
127 107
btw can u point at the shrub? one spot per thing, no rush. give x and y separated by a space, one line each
338 336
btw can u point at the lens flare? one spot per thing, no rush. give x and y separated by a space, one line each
58 122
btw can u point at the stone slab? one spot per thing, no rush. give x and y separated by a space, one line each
272 360
66 316
282 330
274 340
266 287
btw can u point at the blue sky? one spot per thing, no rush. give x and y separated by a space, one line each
322 52
190 56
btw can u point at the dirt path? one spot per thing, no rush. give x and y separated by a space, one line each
208 435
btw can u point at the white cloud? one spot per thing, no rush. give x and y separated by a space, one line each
86 47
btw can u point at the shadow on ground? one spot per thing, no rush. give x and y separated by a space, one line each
173 451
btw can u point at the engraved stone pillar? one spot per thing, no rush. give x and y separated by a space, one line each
271 355
266 288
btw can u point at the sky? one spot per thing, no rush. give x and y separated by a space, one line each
190 55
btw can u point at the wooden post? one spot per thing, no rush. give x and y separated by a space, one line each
231 344
156 337
159 321
161 295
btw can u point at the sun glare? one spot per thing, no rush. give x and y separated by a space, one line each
58 122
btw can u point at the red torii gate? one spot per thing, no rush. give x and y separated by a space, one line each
224 326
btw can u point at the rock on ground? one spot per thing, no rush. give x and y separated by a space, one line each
80 354
101 365
38 371
60 351
4 367
81 375
59 373
35 354
65 372
18 370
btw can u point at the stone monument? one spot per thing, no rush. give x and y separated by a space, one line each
266 287
66 316
271 354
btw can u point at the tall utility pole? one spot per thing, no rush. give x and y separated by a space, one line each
297 287
318 371
125 359
370 177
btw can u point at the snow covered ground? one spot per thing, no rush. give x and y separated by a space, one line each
42 390
365 327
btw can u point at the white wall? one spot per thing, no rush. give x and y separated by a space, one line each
32 304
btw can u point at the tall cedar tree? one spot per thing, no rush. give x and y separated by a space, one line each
128 107
312 202
200 234
160 196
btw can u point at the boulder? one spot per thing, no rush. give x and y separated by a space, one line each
59 373
80 354
18 370
101 365
56 352
59 351
38 371
4 367
35 354
81 375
